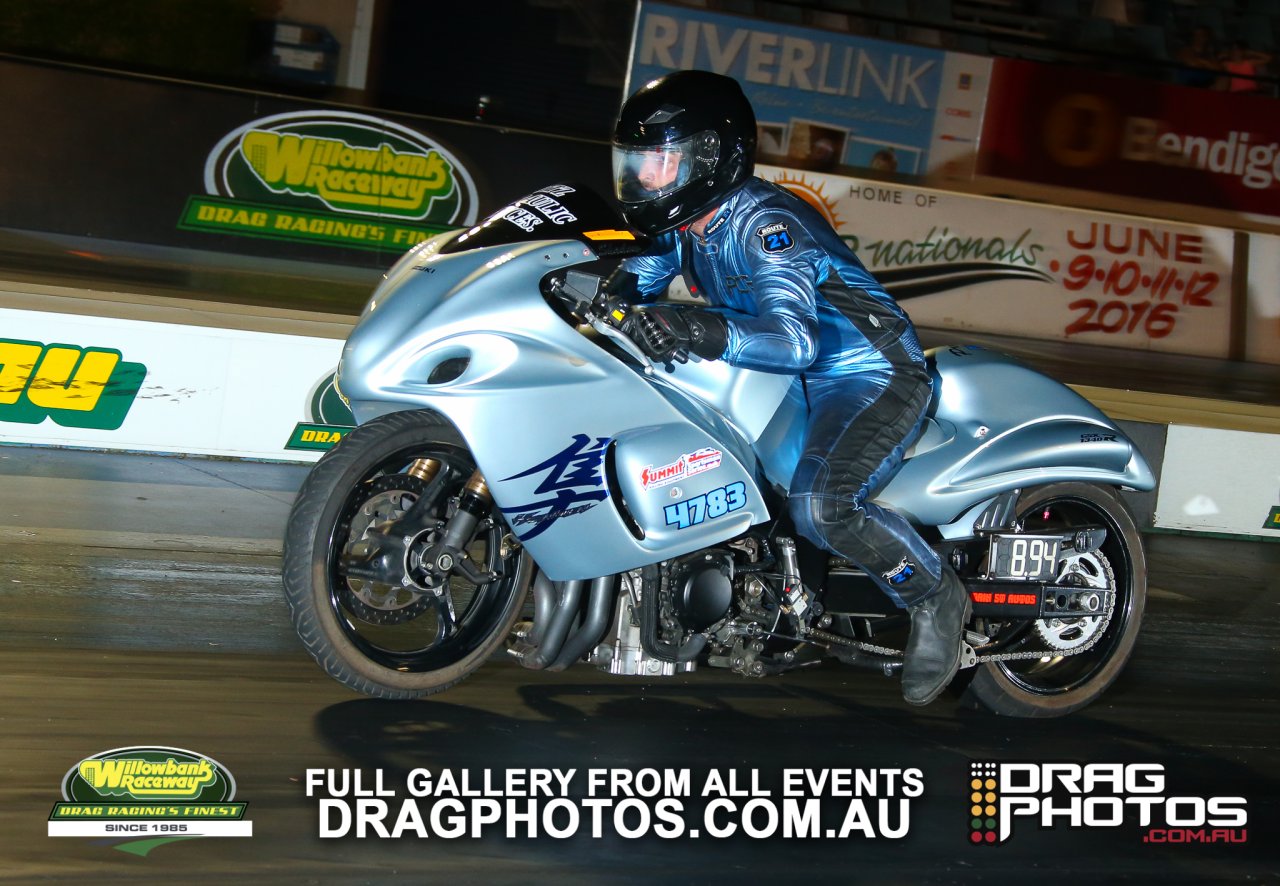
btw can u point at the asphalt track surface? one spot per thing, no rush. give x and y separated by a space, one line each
142 607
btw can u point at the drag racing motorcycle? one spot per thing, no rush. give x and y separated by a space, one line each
513 442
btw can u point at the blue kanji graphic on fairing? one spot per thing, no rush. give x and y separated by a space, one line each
574 481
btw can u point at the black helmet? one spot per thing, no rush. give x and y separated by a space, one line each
682 145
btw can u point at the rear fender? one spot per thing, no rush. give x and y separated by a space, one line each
1004 426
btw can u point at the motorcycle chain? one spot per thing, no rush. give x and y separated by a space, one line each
889 651
1057 653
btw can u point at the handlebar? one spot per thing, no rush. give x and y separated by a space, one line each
623 341
586 298
584 295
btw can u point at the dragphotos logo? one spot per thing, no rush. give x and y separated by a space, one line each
1005 796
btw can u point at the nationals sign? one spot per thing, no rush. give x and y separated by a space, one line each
974 263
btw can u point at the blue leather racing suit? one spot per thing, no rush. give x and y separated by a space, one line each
797 300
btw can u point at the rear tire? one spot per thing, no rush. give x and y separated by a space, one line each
1056 686
381 639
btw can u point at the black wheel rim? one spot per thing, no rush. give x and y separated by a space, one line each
447 628
1051 675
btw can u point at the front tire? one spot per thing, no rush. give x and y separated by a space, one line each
388 639
1053 686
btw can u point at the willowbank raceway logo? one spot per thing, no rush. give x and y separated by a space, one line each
1273 519
1004 797
332 177
331 418
76 387
148 796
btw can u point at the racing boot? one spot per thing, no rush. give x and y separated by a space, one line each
933 649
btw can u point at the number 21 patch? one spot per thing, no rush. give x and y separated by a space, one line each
775 237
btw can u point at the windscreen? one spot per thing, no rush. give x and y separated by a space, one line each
556 212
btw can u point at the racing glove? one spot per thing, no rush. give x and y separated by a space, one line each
667 333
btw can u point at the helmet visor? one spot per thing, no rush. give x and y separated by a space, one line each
641 174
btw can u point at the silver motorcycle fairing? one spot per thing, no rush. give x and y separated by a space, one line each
747 397
562 430
993 425
1000 425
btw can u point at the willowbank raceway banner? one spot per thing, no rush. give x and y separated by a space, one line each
825 100
128 159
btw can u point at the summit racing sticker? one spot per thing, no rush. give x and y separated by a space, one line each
1009 797
149 795
332 176
687 465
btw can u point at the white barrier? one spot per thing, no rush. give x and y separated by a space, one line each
1220 481
101 382
107 383
1263 318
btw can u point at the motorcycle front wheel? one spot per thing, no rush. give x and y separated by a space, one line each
1060 680
357 562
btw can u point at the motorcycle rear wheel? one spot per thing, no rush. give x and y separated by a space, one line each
1053 686
384 639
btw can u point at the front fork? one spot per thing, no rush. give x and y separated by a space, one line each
449 554
420 552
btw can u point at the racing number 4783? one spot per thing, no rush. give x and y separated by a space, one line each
713 504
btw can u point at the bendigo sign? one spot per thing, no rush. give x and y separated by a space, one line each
1128 136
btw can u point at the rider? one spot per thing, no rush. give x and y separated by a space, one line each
787 295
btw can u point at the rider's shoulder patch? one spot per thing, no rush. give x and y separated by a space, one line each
775 237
